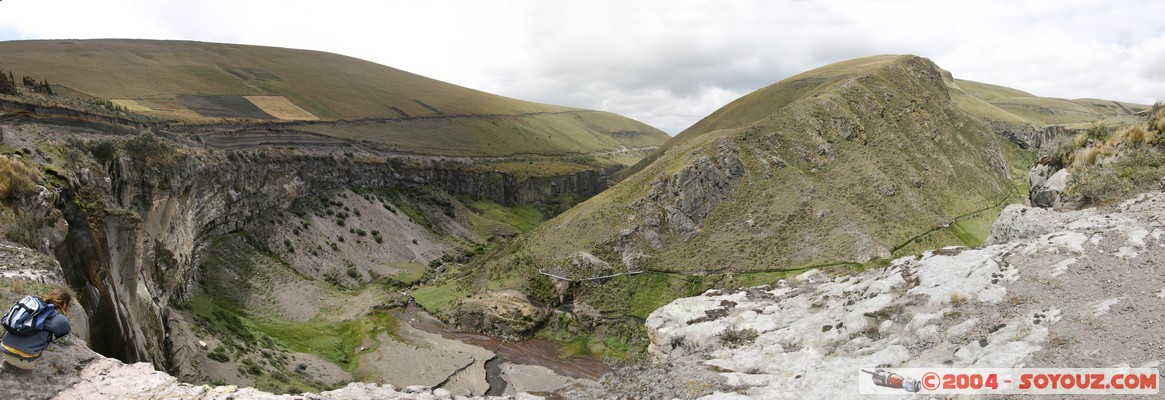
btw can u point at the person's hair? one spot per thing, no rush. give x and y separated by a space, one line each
59 297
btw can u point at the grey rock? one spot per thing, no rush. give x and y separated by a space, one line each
1020 222
697 188
1050 192
1039 174
531 378
1050 287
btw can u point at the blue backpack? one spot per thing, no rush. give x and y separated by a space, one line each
27 316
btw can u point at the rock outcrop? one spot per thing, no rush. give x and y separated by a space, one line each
1052 289
1049 191
69 370
1031 137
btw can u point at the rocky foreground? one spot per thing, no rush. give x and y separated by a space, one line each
1080 289
71 371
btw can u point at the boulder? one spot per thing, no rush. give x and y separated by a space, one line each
506 313
1049 193
1039 174
531 378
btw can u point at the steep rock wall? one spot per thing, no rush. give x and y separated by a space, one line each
138 228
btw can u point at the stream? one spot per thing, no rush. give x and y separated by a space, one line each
532 351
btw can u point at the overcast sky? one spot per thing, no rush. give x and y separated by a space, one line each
666 63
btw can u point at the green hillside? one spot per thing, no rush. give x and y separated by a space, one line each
1000 103
846 164
316 93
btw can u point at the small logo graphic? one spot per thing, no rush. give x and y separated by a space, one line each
994 381
891 380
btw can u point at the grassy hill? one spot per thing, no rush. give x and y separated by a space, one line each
322 93
1000 103
850 163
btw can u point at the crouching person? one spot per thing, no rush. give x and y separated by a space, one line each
21 348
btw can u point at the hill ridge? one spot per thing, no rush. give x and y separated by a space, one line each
847 164
214 84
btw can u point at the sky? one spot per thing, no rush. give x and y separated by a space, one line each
666 63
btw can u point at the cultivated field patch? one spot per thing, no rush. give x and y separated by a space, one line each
223 107
282 108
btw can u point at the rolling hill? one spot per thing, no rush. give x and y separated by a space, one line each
850 163
317 93
998 103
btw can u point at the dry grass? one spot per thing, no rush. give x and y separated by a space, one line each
957 298
16 179
1080 140
1084 157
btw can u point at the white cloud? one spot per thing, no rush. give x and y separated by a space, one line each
665 63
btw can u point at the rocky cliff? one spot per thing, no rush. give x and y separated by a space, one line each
1051 289
70 369
141 257
132 216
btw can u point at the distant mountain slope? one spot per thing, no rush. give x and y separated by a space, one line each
195 82
331 86
1000 103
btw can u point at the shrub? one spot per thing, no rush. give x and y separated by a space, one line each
1094 185
735 338
150 148
103 150
219 355
1098 131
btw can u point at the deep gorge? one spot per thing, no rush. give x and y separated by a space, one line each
139 227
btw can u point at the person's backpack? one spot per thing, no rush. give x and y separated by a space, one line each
27 316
